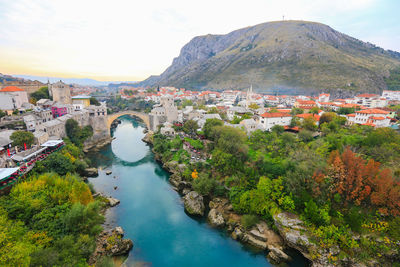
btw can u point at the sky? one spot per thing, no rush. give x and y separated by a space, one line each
118 40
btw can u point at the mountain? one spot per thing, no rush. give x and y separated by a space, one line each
283 56
80 81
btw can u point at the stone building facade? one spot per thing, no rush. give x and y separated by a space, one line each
60 92
166 112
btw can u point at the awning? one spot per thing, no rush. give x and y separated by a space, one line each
5 172
21 158
52 143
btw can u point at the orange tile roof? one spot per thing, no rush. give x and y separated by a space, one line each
369 124
275 115
377 118
306 102
367 95
373 111
351 115
309 115
11 89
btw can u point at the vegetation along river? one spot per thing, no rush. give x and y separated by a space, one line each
152 213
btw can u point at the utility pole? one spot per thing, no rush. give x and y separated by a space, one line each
283 17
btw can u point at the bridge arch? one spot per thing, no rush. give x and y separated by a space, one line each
143 116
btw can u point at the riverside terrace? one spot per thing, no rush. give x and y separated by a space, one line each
10 176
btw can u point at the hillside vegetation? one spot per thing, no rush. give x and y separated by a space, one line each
283 56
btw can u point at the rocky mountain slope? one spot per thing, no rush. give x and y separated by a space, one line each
280 56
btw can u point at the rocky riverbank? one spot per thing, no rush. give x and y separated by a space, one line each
96 144
287 232
220 214
110 242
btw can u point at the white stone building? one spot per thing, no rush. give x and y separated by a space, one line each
391 95
12 98
371 100
372 117
269 120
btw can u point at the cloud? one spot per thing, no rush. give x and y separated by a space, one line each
134 39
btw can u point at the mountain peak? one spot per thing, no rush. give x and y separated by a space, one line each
281 55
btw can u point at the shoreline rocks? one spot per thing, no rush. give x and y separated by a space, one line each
97 144
111 243
113 201
194 204
215 218
91 172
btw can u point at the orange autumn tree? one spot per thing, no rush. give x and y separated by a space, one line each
362 182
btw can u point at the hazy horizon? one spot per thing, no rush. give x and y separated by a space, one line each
129 41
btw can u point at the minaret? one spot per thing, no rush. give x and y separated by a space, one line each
249 96
49 88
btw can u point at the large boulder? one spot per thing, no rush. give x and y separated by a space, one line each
277 255
113 201
194 203
91 172
116 244
110 243
215 218
297 236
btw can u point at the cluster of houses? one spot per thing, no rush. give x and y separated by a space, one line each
46 120
265 111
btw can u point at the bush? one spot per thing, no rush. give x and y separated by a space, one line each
305 136
318 216
249 221
207 186
354 218
394 228
58 163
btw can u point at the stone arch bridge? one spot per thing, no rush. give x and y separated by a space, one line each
143 116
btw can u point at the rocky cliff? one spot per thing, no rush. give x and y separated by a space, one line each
280 56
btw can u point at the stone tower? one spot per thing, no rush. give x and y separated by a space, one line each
60 92
171 111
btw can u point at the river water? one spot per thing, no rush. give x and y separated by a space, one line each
152 214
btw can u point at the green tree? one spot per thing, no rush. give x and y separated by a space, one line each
305 135
94 101
209 126
279 129
72 130
190 127
42 93
345 111
309 124
314 110
253 106
75 133
2 114
20 138
327 117
58 163
296 111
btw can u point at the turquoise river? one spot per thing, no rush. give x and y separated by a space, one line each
152 213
